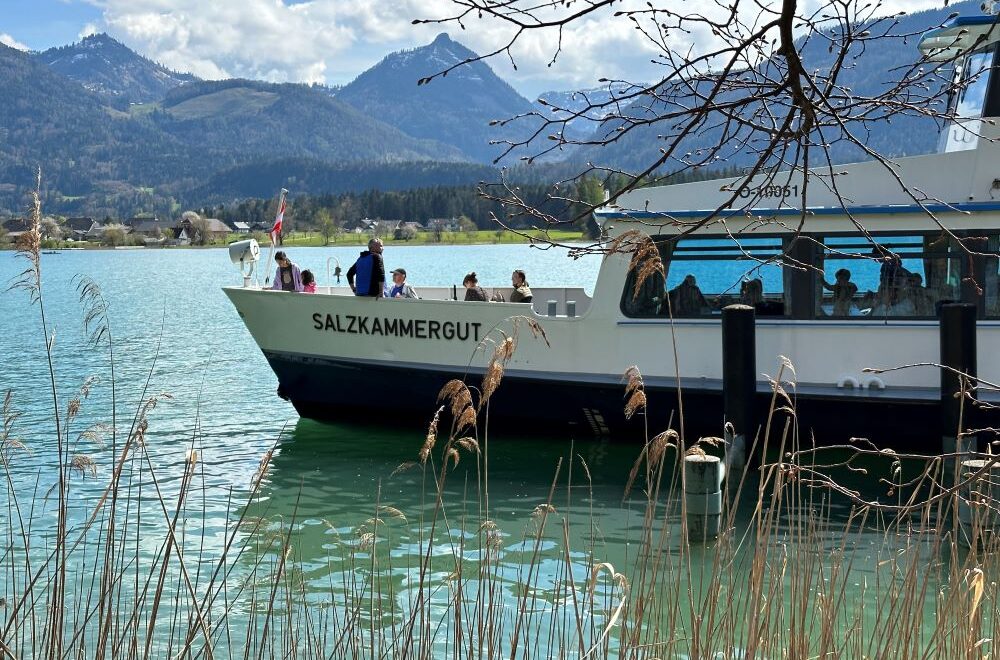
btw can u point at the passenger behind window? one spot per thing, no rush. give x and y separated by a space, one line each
752 292
308 282
686 298
648 299
892 277
844 291
922 298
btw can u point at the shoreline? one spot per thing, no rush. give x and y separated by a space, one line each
313 239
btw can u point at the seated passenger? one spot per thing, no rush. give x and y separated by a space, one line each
844 291
643 298
308 282
686 298
752 292
923 299
521 292
287 277
472 289
400 289
892 278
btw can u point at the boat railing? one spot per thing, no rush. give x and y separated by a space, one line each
567 301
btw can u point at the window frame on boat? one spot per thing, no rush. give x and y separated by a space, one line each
950 274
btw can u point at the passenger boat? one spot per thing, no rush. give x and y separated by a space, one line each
337 355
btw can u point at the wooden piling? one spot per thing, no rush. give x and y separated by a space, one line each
703 476
979 504
739 381
958 360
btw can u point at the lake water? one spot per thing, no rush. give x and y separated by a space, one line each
172 325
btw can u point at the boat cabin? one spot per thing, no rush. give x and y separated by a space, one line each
885 242
971 42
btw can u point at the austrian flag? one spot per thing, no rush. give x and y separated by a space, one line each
276 229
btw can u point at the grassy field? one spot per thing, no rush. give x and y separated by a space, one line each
314 239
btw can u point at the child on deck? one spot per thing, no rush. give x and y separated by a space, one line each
308 282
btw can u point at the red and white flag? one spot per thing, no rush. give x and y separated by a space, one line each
276 229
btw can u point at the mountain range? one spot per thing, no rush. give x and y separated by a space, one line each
109 68
118 133
868 72
456 109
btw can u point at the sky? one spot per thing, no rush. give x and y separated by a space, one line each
332 41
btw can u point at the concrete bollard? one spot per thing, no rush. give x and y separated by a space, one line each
979 506
552 307
570 308
739 381
703 476
958 353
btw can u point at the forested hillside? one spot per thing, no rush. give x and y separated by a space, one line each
103 65
456 109
870 70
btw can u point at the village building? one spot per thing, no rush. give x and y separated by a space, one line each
79 229
188 231
14 227
444 224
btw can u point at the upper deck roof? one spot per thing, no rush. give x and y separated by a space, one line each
960 35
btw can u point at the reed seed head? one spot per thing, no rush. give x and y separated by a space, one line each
425 450
84 465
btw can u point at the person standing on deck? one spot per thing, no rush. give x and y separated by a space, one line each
287 277
521 292
367 276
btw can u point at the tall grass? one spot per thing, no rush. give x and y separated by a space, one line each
805 566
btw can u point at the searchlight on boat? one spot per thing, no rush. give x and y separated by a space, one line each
246 254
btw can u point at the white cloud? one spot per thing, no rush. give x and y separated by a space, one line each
88 30
8 40
332 41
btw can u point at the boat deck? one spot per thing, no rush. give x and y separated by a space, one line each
541 296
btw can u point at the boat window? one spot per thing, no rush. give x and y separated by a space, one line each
906 276
975 82
991 277
704 275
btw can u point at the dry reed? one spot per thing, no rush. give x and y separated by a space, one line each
806 566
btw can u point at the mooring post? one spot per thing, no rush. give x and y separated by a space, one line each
978 514
958 370
552 306
739 381
703 476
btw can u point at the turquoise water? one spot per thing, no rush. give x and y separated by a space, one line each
327 483
171 323
173 327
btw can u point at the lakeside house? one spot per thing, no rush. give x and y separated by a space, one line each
202 230
80 229
238 227
150 229
398 229
444 224
14 227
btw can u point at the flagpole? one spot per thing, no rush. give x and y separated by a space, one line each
270 254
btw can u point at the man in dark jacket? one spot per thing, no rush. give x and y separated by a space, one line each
369 270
